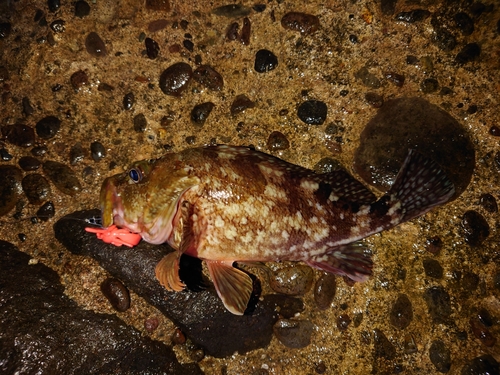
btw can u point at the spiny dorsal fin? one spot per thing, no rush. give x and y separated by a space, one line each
233 286
347 187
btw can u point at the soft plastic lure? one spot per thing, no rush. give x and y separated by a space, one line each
116 236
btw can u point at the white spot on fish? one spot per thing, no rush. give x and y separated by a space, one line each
309 185
219 223
285 235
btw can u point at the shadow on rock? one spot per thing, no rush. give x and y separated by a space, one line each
42 331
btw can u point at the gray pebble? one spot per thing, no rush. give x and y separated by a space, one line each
62 177
293 280
10 187
97 151
293 333
440 357
36 187
401 313
324 290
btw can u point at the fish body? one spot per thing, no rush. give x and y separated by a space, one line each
225 203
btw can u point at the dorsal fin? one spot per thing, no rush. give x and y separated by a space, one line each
346 187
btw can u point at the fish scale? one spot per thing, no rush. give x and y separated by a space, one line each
225 204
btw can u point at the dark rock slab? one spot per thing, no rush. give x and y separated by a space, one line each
199 314
42 331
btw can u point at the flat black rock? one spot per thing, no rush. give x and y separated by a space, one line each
42 331
199 314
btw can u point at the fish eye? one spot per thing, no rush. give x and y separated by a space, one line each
135 175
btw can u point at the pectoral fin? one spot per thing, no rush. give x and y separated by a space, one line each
351 260
167 272
233 286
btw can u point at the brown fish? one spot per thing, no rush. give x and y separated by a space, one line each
225 204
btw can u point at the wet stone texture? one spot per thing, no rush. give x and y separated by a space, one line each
36 317
89 87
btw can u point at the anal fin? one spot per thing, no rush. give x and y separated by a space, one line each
351 260
233 286
167 272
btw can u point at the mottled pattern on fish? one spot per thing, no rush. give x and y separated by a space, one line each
225 204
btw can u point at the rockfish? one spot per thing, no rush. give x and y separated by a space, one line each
225 204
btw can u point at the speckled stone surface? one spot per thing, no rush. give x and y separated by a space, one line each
99 75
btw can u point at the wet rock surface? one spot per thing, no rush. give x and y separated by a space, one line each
192 311
352 56
413 123
36 317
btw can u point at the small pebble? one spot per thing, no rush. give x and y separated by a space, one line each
178 337
97 151
140 123
240 104
395 78
343 322
305 23
157 25
57 26
444 39
432 268
76 154
128 101
208 77
152 48
54 5
103 86
48 127
320 368
10 188
324 291
440 357
374 99
197 355
189 45
368 79
401 313
427 64
294 334
79 79
277 141
232 11
438 304
94 45
19 134
383 347
312 112
482 333
82 9
475 227
158 5
413 16
353 39
116 293
494 131
27 107
232 31
245 32
174 80
489 203
62 176
483 365
29 163
151 324
46 211
200 112
468 53
484 317
429 85
327 165
259 8
434 245
22 237
36 187
464 23
409 344
191 140
39 150
265 61
5 29
293 280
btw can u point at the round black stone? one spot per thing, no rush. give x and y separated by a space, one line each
313 112
265 61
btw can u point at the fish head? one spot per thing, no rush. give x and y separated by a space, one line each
146 198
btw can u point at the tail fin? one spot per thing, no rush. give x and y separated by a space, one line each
420 185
